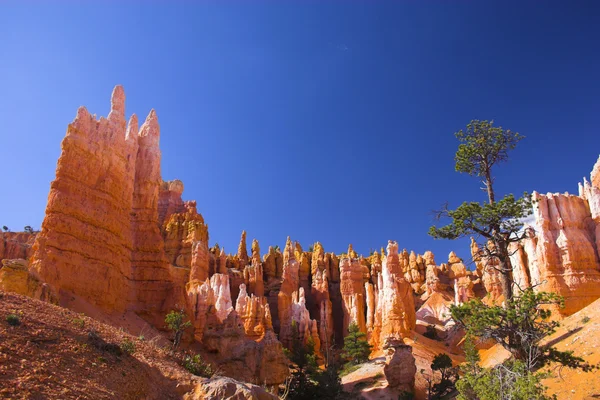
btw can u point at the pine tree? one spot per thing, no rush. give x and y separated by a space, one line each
356 347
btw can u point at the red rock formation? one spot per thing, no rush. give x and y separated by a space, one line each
463 283
87 229
290 284
566 250
253 274
400 366
16 277
169 200
257 357
242 253
395 313
353 292
255 314
16 245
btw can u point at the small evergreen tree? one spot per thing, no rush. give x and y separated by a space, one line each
175 321
442 363
28 229
5 228
308 381
497 222
356 347
519 327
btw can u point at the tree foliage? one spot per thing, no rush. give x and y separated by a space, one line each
442 363
498 223
519 327
509 380
356 348
175 321
307 380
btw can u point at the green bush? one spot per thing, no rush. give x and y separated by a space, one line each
197 366
79 322
128 346
356 347
13 320
175 321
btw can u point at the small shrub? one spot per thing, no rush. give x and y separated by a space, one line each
197 366
79 322
141 338
175 321
431 332
348 369
585 319
128 346
101 359
13 320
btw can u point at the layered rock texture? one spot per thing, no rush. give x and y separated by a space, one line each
16 245
561 251
118 237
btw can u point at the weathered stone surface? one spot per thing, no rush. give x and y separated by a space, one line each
290 284
169 200
87 229
400 366
353 292
253 274
395 307
565 249
16 245
16 277
255 314
242 253
255 358
222 388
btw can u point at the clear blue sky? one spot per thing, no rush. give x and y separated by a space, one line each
329 121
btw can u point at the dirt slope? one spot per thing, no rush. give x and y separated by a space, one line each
579 333
49 355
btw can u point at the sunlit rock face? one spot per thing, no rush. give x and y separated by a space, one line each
87 229
560 254
242 339
391 307
16 245
353 292
400 366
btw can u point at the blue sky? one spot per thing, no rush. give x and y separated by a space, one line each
329 121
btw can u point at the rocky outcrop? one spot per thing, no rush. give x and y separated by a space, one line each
16 245
16 277
352 289
561 253
87 229
243 343
169 200
253 273
222 388
400 366
242 253
255 314
394 315
287 293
